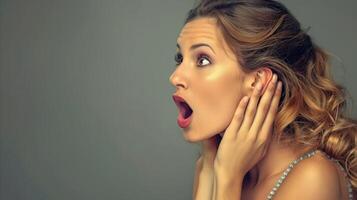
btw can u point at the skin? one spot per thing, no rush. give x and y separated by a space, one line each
214 87
249 134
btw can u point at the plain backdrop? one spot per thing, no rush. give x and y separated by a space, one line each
85 98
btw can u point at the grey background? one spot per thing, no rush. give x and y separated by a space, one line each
86 108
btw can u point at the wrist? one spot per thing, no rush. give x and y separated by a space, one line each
227 177
227 187
228 182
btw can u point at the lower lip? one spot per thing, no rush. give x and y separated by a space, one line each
184 123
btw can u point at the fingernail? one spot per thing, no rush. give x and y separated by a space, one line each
275 77
245 99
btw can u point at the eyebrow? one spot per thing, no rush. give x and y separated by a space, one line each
195 46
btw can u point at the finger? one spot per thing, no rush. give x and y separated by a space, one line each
263 107
251 109
237 119
269 120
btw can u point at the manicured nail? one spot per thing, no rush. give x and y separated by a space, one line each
274 78
245 99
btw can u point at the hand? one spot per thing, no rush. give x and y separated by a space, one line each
247 137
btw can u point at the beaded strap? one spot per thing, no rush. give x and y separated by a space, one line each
291 166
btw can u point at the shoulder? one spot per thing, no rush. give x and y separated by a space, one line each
315 178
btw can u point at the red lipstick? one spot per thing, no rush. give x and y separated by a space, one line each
184 117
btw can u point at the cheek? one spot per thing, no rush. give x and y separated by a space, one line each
219 99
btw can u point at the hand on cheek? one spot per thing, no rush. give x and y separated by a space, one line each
247 137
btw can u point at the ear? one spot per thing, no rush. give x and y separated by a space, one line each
264 75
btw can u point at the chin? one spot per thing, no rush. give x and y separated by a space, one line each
191 137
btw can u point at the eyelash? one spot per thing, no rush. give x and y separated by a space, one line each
178 58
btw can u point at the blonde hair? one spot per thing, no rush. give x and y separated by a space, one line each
312 109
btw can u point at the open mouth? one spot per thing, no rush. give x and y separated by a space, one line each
185 110
184 117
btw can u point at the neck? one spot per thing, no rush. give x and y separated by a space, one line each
274 162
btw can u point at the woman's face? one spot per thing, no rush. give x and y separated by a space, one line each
208 77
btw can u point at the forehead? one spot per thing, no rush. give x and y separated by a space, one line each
200 30
204 30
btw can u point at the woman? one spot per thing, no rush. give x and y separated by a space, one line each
254 89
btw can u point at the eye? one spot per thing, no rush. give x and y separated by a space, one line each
203 60
178 58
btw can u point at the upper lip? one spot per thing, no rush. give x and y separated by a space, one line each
178 99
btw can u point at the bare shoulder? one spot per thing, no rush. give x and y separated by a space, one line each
315 178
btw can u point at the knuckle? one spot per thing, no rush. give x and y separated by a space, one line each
250 141
249 115
265 108
238 116
260 142
251 138
251 112
272 88
274 108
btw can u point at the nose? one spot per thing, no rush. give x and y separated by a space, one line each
177 79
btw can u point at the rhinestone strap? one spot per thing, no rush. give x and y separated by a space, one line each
291 166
